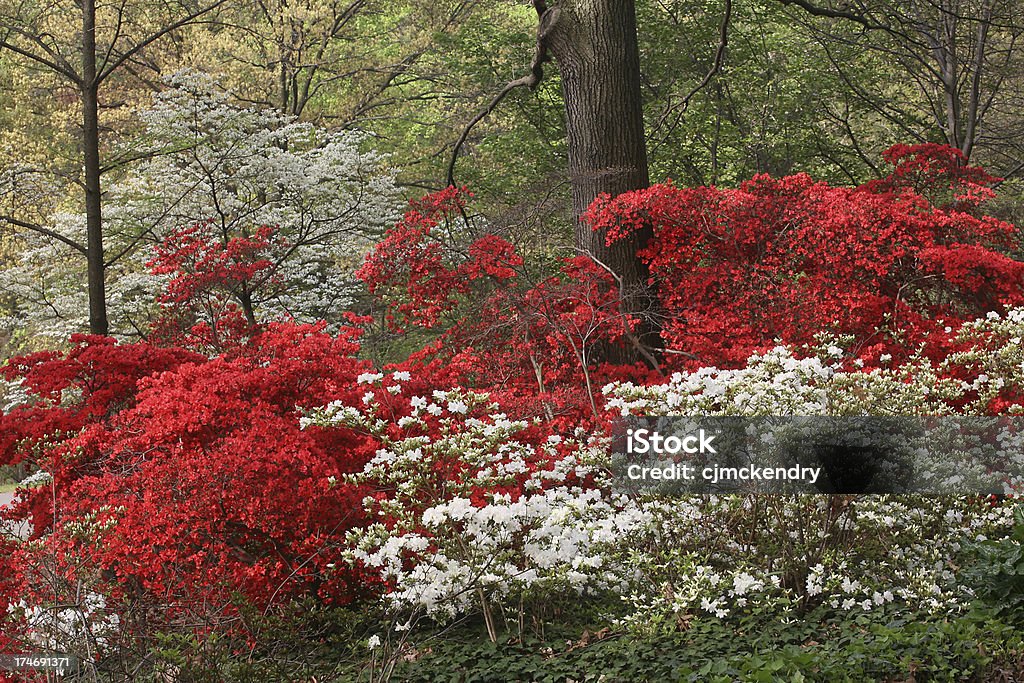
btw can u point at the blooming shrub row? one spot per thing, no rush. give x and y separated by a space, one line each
443 505
499 525
276 464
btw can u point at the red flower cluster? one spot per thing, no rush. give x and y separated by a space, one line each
412 271
786 259
200 304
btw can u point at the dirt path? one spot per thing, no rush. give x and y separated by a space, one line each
22 529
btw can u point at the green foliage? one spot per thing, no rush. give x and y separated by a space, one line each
998 573
298 643
304 642
825 646
775 106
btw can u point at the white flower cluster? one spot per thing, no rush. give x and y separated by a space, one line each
442 557
13 394
778 383
556 540
39 478
701 588
76 628
328 198
775 383
848 553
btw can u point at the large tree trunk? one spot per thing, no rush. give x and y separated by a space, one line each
594 43
89 87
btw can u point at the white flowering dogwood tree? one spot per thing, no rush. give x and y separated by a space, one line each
221 171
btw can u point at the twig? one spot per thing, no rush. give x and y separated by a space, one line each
723 43
546 20
716 67
817 11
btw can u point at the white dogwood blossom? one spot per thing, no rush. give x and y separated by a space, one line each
229 170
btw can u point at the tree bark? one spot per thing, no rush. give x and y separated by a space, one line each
89 86
594 43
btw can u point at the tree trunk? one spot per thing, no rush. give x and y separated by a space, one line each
89 87
244 297
594 43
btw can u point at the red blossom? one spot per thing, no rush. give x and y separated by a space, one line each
786 259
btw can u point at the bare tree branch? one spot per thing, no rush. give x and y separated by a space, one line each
716 67
831 13
35 227
546 20
39 59
723 43
111 67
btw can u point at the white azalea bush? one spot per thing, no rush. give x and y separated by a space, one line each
721 554
779 383
732 555
479 514
474 512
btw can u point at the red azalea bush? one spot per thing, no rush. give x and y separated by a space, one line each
183 481
209 475
88 385
208 278
203 483
535 342
938 173
411 271
788 259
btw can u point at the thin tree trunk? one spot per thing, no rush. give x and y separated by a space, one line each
244 297
91 158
